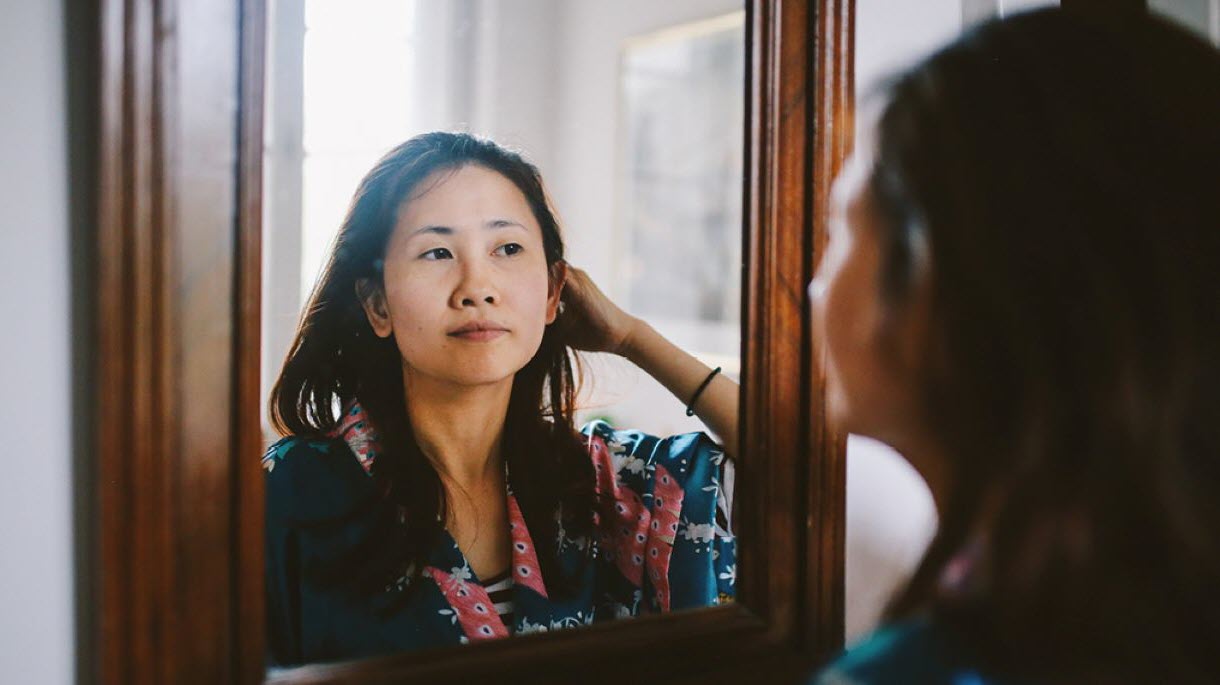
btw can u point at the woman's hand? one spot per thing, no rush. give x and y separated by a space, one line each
591 321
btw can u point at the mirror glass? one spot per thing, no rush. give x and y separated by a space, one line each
435 475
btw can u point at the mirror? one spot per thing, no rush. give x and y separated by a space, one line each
633 115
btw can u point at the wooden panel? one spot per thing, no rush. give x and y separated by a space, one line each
833 131
200 103
167 335
770 536
131 572
801 133
248 628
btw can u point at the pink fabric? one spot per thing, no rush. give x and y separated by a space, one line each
362 440
475 611
624 521
666 508
526 570
638 539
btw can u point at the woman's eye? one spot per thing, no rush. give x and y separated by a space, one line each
437 253
510 249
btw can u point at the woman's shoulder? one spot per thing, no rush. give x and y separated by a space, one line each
291 449
311 479
646 445
637 456
917 652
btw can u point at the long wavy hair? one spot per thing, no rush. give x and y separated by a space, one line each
1062 173
336 358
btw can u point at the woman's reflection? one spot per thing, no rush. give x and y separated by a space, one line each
432 488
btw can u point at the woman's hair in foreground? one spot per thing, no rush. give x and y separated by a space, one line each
1062 174
336 357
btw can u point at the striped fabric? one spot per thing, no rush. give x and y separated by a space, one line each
500 589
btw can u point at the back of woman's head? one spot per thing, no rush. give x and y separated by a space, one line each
1059 175
337 358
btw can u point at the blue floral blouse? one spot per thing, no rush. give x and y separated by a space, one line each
659 546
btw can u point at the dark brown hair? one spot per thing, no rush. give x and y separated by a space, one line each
1063 172
336 358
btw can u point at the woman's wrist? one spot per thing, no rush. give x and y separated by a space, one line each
683 374
629 347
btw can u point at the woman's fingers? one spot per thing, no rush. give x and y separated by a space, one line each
595 322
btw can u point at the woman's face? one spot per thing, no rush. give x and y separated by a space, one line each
867 348
467 293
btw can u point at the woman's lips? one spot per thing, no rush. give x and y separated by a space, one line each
483 335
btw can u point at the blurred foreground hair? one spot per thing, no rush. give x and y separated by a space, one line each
1062 173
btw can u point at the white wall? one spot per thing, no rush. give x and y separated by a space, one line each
583 183
891 34
515 66
36 579
591 41
1200 16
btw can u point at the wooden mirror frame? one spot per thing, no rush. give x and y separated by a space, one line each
175 501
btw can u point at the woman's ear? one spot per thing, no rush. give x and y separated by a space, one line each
559 275
372 299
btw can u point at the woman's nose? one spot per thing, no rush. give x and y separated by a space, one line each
475 288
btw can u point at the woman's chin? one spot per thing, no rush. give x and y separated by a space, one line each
482 374
485 380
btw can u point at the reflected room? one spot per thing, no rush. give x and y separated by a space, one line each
502 267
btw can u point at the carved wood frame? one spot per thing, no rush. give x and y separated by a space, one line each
177 490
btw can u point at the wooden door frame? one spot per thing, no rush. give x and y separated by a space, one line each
175 543
177 514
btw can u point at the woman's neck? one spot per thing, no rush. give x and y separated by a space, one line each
459 428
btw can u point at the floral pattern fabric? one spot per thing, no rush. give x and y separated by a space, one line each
662 542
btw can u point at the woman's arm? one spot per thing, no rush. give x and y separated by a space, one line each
682 374
596 324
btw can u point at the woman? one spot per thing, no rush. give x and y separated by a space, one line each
432 489
1020 295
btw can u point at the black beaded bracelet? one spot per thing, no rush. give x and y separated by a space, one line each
690 408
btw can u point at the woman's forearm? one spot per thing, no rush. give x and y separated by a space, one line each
682 374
